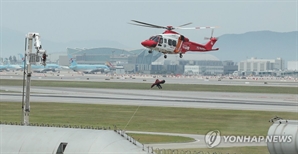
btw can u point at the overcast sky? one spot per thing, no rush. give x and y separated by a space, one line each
64 21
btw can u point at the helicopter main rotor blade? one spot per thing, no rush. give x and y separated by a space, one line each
156 26
196 27
143 25
185 24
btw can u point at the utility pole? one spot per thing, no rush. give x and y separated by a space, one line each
31 58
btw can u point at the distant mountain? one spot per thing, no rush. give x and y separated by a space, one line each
259 44
84 44
13 42
235 47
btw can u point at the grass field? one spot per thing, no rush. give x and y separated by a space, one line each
146 138
146 86
230 150
153 119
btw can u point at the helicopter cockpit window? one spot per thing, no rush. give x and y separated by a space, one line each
170 42
156 38
165 40
160 40
152 38
174 43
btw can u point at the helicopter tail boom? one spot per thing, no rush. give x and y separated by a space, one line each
192 46
210 43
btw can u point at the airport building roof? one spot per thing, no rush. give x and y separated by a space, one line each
147 58
97 51
189 56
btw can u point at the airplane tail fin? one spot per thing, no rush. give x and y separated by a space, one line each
72 61
109 64
22 57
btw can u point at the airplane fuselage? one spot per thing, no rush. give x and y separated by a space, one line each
89 68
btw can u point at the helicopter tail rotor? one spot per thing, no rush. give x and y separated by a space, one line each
211 37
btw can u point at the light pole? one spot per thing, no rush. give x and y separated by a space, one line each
31 58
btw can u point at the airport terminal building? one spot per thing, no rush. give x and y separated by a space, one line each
292 69
191 64
140 61
100 55
256 66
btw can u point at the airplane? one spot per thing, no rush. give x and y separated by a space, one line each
12 67
171 42
157 83
42 68
88 69
8 66
3 68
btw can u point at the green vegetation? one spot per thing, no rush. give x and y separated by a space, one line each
146 86
10 91
231 150
153 119
148 138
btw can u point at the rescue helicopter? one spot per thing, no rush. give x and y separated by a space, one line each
171 42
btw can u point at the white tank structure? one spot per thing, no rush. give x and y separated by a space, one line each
18 139
284 128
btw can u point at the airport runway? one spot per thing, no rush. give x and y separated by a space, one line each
211 80
212 100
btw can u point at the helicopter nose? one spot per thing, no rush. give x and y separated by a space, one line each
149 43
